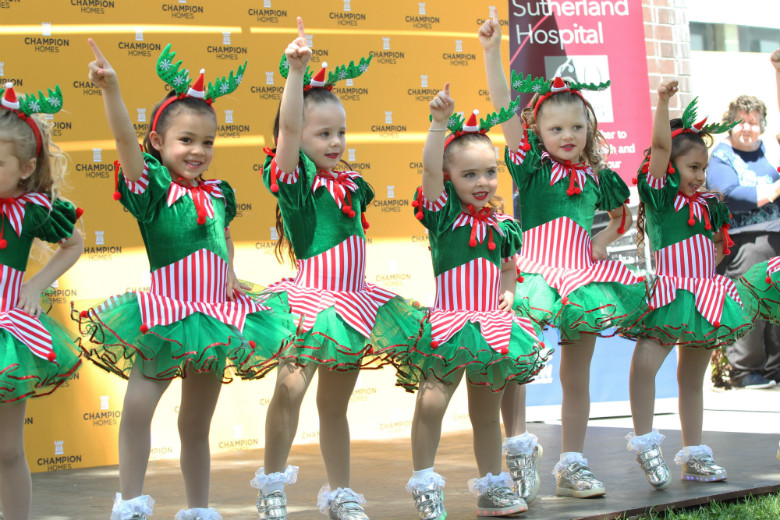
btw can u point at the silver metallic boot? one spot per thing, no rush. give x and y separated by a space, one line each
523 457
575 479
697 464
341 504
272 506
271 500
428 496
650 457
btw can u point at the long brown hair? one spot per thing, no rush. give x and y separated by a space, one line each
596 146
681 144
283 249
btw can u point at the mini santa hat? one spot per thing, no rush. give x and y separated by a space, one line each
9 100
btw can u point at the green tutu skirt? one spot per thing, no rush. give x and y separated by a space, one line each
23 374
680 323
334 343
601 308
762 298
115 340
468 350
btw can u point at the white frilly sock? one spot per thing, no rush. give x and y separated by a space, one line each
568 457
479 485
198 513
424 478
125 509
274 481
638 443
691 451
326 496
521 444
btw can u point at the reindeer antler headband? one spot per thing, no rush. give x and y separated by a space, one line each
459 126
531 85
26 105
341 72
179 79
690 126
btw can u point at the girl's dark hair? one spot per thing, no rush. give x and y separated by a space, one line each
595 144
681 144
191 104
459 142
314 96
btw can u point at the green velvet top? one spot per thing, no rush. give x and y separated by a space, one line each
666 226
541 203
450 247
172 233
39 223
312 220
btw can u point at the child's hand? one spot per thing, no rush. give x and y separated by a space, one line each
30 299
775 59
298 52
490 31
233 286
505 301
599 251
442 106
101 74
667 89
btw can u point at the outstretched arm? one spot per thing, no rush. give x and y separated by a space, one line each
441 107
104 76
500 96
775 59
288 143
661 142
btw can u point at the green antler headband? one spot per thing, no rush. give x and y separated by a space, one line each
531 85
690 126
341 72
28 104
459 126
170 72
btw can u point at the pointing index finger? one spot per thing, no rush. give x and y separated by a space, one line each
95 50
494 14
301 31
446 89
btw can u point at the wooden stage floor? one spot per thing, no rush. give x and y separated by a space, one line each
380 471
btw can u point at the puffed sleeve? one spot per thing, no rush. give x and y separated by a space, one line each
142 197
230 202
438 215
658 193
366 192
614 192
53 226
290 189
719 213
513 237
522 164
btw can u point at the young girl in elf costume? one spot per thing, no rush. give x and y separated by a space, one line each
195 311
37 354
471 328
345 323
690 306
555 156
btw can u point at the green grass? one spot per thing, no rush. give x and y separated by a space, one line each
764 507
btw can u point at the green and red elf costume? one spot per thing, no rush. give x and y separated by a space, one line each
563 286
763 282
344 322
689 305
185 322
465 328
37 355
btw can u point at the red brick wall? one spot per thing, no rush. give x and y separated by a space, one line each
668 45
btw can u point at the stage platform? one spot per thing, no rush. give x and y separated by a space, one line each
380 471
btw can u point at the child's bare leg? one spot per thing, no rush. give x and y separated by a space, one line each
333 392
648 357
15 482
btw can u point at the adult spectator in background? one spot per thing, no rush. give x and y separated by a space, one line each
751 184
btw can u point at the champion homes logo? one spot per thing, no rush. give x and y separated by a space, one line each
386 55
268 90
226 50
101 251
93 6
238 442
390 129
182 9
267 13
422 19
60 460
347 16
103 416
46 43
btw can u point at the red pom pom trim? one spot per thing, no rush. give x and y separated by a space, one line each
434 344
491 246
201 220
564 300
275 188
144 329
473 242
419 215
768 279
51 356
691 222
116 195
621 230
252 344
3 243
520 279
79 212
716 323
83 314
635 181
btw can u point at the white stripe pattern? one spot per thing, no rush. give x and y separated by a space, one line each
286 178
30 331
341 266
194 284
336 186
654 183
698 202
690 265
773 265
13 208
10 287
560 171
437 204
496 326
204 191
561 251
481 222
139 187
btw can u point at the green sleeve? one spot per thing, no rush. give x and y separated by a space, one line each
719 213
293 188
141 198
230 202
513 238
614 192
54 226
521 165
439 215
366 193
660 197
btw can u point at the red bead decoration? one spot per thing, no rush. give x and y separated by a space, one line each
116 195
691 222
3 243
51 356
79 212
252 344
473 242
144 329
274 188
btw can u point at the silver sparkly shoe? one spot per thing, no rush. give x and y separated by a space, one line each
272 506
429 502
500 501
577 480
702 469
345 506
656 471
524 470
